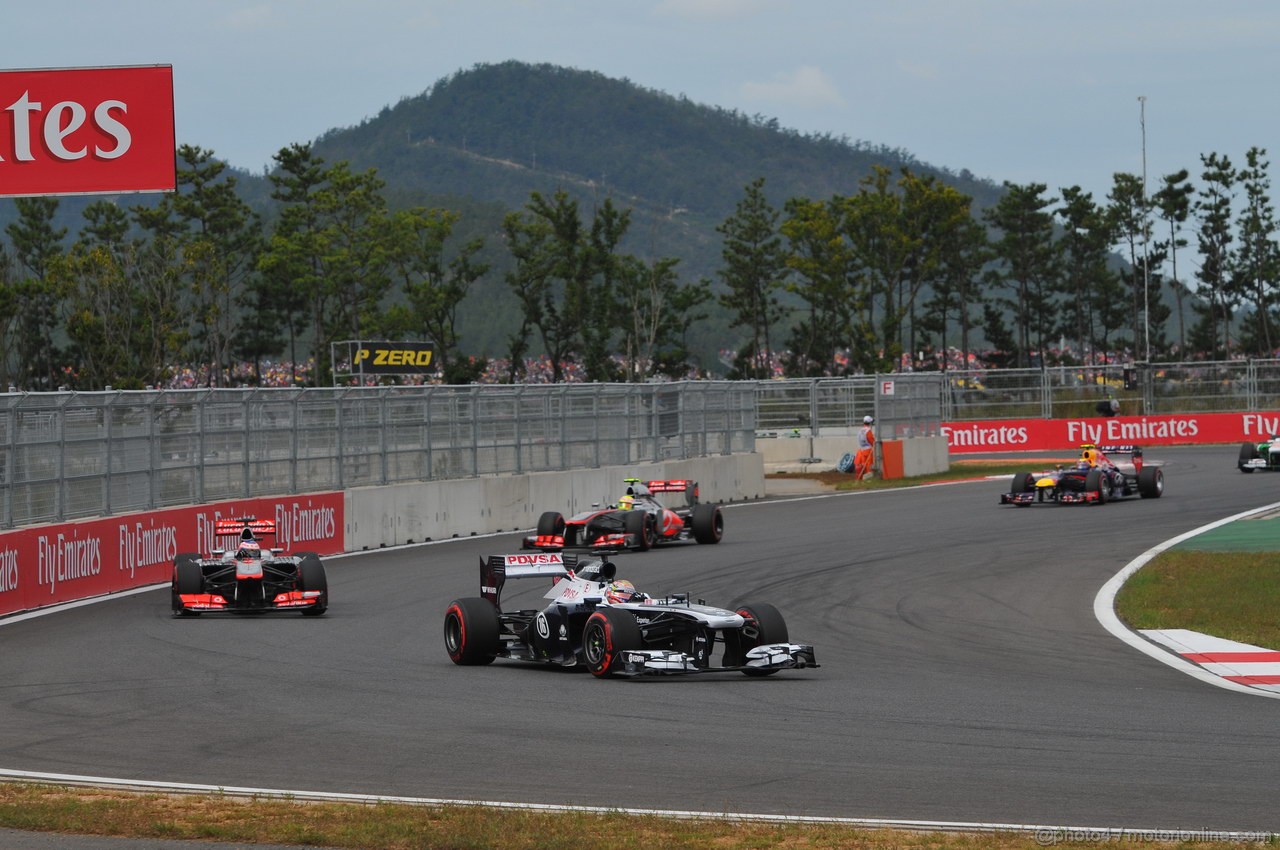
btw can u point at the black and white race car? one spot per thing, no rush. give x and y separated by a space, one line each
596 621
245 578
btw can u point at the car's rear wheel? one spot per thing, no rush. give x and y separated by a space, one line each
609 632
638 525
471 631
764 625
551 523
708 523
1248 451
1151 482
187 579
311 576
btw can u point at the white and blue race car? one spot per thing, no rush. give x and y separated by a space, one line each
596 621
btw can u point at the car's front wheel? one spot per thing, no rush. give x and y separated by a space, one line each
311 577
1151 482
187 579
764 625
708 523
638 525
609 632
1248 452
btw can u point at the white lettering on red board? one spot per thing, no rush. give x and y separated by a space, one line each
61 123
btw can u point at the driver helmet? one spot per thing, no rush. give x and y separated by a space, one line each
867 420
1089 456
620 591
626 503
249 551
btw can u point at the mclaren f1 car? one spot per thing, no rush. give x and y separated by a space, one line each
1100 475
591 619
246 578
636 521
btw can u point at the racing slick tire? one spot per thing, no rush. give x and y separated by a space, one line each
764 625
1151 482
708 523
638 525
471 631
551 523
187 578
609 632
1096 482
311 576
1248 451
1022 483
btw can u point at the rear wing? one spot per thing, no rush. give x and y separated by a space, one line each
676 485
241 528
496 569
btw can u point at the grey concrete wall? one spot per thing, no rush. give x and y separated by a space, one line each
920 455
412 513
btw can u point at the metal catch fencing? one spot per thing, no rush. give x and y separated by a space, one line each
71 455
1140 389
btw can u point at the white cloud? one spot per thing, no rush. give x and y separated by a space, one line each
805 86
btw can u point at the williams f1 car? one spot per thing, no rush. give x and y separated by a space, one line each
593 620
637 521
1265 455
1100 475
246 578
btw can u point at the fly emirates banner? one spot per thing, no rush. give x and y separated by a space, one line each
1020 435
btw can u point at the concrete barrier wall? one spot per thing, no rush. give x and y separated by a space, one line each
925 455
920 455
434 510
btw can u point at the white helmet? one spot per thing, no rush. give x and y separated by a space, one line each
867 420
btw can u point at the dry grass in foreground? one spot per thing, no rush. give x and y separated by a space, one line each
83 811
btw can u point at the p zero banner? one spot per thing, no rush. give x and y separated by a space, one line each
1020 435
392 358
86 131
47 565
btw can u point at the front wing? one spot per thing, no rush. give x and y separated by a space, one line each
770 656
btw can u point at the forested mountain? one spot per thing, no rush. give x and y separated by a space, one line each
482 140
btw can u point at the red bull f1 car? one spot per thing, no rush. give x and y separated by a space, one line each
637 521
245 578
593 620
1100 475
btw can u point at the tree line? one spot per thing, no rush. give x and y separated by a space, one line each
827 287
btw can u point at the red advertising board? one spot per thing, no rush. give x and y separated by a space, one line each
87 131
1020 435
50 564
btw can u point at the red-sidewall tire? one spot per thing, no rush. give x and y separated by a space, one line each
609 632
471 631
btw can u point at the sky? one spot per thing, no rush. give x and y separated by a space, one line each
1060 93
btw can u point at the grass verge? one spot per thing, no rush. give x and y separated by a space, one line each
1232 595
402 827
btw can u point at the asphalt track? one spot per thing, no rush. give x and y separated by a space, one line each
964 678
